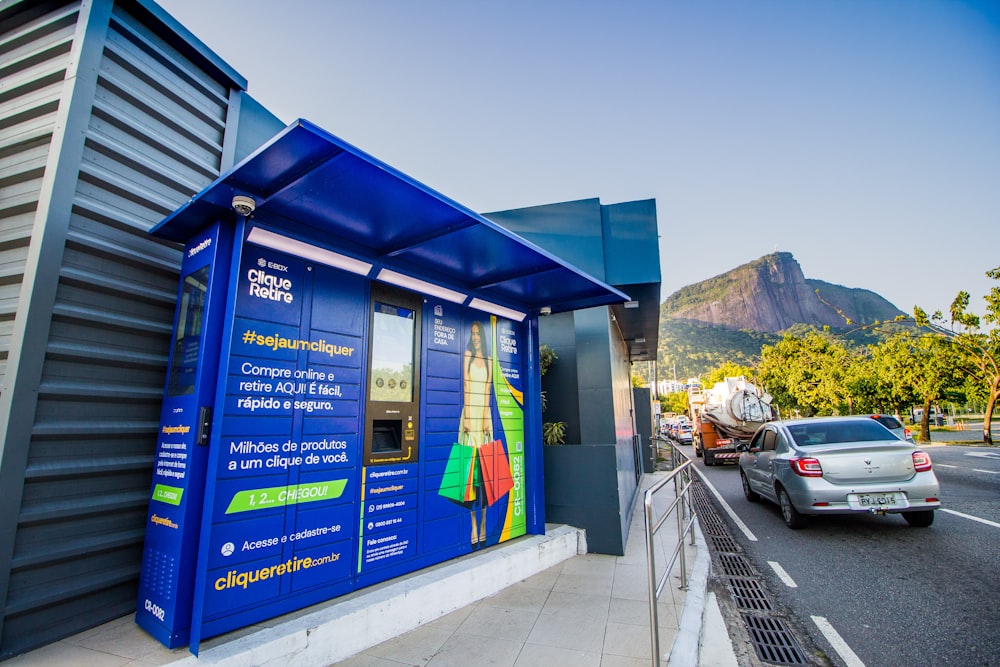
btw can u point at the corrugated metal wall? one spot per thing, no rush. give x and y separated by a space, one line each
154 138
33 61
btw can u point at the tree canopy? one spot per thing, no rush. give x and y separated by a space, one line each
976 352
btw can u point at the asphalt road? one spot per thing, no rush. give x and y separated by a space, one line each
872 591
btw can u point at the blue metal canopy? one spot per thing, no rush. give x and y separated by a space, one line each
314 187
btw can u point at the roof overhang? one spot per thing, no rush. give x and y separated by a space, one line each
639 320
314 188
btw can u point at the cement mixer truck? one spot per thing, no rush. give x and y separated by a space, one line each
726 416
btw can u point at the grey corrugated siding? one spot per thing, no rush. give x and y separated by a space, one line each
34 58
154 138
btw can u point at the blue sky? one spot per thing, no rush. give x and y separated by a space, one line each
862 136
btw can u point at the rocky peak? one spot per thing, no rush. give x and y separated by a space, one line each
771 294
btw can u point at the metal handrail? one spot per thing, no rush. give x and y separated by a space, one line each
681 477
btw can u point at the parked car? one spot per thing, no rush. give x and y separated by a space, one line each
838 465
894 425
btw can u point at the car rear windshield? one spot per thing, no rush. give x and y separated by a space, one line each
825 433
887 421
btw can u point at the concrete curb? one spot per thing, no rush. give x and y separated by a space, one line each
337 630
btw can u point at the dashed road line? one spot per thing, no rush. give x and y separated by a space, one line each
782 574
849 657
971 518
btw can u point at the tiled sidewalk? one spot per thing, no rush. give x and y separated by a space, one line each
589 610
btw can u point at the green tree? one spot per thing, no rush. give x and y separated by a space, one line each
725 370
892 372
675 401
808 374
935 371
977 350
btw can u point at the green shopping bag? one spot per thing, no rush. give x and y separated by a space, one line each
459 480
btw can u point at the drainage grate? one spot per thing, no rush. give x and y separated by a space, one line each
736 565
724 543
749 595
710 522
772 640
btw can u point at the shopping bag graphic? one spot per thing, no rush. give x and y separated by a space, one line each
459 480
496 471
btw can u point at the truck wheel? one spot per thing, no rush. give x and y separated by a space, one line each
709 458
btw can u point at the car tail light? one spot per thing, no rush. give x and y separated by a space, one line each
806 467
921 461
908 434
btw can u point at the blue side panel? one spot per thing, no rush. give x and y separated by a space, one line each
166 585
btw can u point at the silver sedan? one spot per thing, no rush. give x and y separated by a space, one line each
838 465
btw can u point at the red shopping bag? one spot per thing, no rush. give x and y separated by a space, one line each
496 471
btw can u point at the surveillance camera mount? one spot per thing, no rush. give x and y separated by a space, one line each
244 205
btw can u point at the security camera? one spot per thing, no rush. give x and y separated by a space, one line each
244 205
545 311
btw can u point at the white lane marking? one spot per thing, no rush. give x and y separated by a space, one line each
849 657
943 465
729 510
984 455
988 472
784 576
971 518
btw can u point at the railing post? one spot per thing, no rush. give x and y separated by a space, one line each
678 485
683 505
654 635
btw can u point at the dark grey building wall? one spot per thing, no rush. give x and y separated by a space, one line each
560 382
594 374
109 119
591 481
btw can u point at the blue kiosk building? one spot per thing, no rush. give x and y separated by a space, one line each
353 391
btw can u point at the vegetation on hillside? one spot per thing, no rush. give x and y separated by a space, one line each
687 349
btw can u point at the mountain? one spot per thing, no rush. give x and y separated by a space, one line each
729 317
770 295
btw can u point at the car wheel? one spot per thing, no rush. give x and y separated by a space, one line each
791 515
748 493
921 519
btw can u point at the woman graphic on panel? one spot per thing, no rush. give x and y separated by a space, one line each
477 420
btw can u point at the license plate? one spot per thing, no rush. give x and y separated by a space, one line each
890 500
